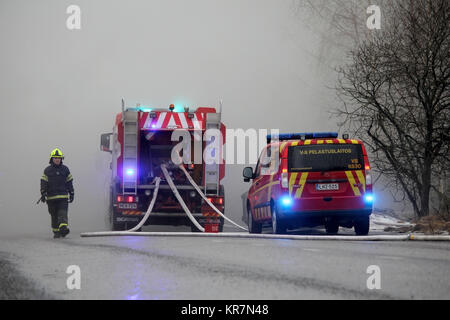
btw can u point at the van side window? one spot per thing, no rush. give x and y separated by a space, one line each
271 160
259 165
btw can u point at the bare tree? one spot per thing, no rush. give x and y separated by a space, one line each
396 94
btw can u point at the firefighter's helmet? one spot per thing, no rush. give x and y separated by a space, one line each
56 153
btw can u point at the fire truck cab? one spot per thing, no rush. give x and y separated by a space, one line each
308 180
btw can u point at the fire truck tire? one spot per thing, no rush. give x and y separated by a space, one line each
331 226
118 226
278 226
362 225
253 226
194 228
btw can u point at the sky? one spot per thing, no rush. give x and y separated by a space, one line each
62 88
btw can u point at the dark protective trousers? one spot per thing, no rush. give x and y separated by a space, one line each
58 211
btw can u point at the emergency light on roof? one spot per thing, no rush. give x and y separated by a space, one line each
302 135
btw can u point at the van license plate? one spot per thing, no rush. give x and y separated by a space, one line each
327 186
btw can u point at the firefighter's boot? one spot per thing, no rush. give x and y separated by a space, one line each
64 231
56 235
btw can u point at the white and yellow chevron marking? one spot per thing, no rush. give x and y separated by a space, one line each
352 182
307 142
292 179
319 141
295 143
283 144
341 141
354 141
329 141
298 193
361 179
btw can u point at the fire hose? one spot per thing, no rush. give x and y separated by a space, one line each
177 195
207 200
181 201
150 207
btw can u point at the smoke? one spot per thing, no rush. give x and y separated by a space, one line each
62 88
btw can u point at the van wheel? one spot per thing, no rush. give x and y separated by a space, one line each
362 225
278 226
253 226
331 226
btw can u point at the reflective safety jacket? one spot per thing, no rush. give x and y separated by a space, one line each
56 182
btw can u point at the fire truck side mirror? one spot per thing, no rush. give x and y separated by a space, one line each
248 174
105 142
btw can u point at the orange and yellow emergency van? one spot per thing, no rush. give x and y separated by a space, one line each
309 180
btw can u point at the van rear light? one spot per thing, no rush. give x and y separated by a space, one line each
368 178
284 180
119 198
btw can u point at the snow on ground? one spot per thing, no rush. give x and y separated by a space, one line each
379 221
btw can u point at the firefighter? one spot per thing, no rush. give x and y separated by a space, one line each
57 191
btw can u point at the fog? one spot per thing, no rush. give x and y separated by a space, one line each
62 88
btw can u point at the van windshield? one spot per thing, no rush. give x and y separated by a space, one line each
326 157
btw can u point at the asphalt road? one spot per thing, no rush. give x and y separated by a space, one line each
203 268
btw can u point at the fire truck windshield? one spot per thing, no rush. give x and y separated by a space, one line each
327 157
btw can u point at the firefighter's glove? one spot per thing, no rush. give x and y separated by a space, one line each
71 196
43 196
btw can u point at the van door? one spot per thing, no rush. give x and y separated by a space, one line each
267 168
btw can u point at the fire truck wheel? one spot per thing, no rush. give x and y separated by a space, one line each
331 226
118 226
278 226
362 225
253 226
194 228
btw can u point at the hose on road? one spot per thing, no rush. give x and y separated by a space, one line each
206 199
180 199
150 207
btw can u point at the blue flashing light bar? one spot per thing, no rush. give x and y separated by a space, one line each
302 135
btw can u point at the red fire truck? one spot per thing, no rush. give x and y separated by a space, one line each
307 180
140 142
